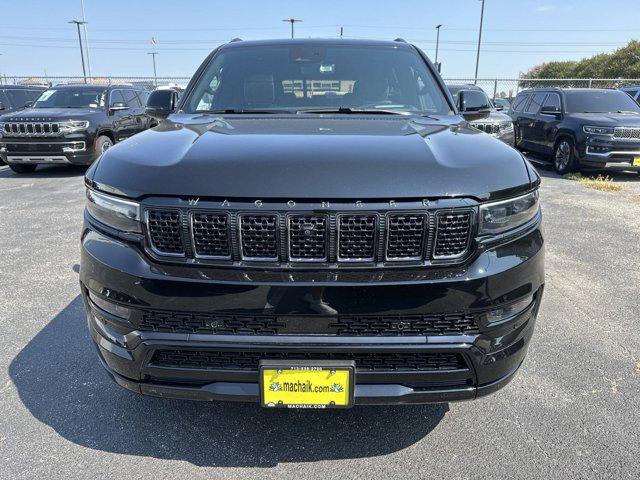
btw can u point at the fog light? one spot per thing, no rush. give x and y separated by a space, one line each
109 307
510 310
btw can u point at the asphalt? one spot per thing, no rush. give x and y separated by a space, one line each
572 412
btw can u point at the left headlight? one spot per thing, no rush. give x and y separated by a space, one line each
506 125
498 217
73 126
123 215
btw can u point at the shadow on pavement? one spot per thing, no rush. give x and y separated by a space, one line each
44 171
59 379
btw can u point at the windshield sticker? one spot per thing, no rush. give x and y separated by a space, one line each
45 95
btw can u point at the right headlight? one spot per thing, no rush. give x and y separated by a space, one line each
123 215
498 217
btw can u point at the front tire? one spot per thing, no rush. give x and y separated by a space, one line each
101 145
564 156
18 168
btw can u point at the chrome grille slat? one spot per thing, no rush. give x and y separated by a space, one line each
357 237
629 133
31 129
307 238
405 236
165 232
211 235
259 237
453 230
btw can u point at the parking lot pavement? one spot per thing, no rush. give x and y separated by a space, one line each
572 412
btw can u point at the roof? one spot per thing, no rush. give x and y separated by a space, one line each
567 89
318 42
22 87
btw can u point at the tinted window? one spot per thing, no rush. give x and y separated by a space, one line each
116 97
552 100
312 76
520 102
599 101
71 98
131 98
631 93
4 100
143 95
18 98
536 102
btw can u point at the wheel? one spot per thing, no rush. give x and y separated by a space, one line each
564 157
102 144
19 168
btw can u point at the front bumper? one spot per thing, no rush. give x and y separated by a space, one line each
601 152
75 149
120 273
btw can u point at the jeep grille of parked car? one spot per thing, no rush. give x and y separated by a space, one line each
390 237
23 129
627 132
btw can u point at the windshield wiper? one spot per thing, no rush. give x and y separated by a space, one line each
348 110
234 111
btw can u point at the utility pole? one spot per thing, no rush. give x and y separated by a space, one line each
437 40
0 76
86 38
475 81
155 75
292 21
78 23
341 31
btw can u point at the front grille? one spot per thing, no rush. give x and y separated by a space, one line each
632 133
406 234
249 360
375 236
453 231
357 237
211 235
259 236
344 326
164 230
489 128
308 238
37 129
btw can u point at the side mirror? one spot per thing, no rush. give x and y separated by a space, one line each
473 105
550 110
499 108
116 107
2 107
161 104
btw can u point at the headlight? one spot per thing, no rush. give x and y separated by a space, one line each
501 216
114 212
73 126
506 125
598 130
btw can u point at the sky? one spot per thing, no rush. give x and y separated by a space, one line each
35 37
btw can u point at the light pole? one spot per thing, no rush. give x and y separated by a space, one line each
0 76
155 75
475 81
437 40
86 38
78 23
292 21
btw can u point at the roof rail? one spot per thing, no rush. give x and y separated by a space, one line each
235 40
400 40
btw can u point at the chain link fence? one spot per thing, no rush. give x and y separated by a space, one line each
494 87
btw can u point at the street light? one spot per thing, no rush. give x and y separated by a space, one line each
475 81
78 23
437 40
291 21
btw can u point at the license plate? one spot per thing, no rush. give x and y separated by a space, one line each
636 161
306 384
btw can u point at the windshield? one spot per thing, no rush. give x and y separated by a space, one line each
600 101
308 77
71 98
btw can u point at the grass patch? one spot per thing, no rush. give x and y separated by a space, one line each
601 182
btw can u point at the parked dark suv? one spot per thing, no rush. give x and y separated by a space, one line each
72 124
579 127
495 122
312 225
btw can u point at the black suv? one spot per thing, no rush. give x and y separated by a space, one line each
72 124
472 98
312 225
579 127
17 97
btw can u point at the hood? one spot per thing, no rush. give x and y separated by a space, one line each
494 117
311 157
608 119
51 114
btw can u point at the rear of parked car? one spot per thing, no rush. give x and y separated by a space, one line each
579 128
